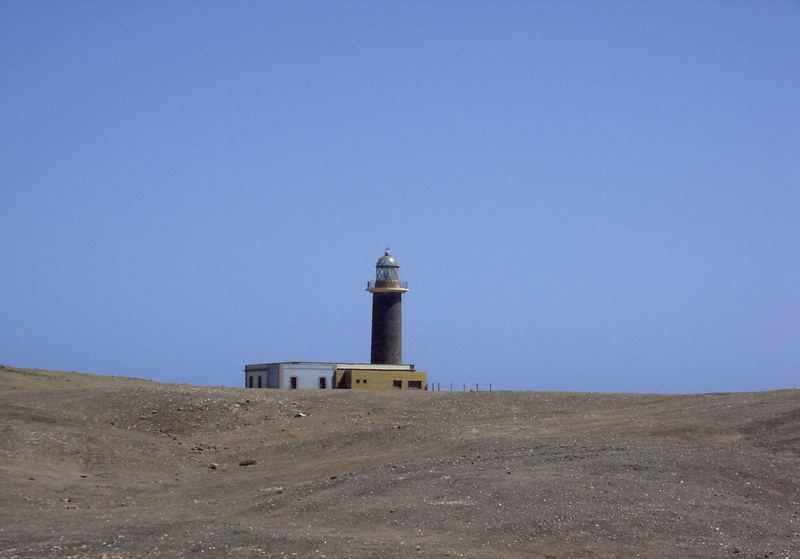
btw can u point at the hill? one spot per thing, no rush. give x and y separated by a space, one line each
95 466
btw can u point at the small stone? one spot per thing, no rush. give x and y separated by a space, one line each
248 462
213 466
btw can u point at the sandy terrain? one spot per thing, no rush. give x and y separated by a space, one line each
95 466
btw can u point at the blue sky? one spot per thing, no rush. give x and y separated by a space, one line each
598 196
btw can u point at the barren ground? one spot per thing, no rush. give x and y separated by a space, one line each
95 466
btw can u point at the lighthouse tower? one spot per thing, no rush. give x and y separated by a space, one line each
387 312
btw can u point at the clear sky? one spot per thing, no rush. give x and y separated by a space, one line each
597 196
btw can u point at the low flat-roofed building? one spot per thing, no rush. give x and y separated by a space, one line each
300 375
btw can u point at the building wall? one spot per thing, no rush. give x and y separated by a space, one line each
365 379
274 376
307 375
265 375
251 378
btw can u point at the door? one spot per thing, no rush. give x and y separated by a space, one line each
293 383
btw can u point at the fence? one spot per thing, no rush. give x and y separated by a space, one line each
437 387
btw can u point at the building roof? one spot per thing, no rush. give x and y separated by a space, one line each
387 261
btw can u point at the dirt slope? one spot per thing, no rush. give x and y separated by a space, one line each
101 466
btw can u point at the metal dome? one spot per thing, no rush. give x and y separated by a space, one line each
386 268
387 261
387 279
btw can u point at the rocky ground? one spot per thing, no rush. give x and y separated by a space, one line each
111 467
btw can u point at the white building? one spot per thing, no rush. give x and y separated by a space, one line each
305 374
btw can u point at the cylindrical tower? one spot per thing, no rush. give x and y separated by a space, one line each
387 312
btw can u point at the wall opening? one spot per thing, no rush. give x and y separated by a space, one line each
397 384
415 384
259 381
323 382
293 383
251 382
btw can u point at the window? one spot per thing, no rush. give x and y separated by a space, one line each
293 383
259 381
364 381
358 381
323 382
397 384
415 384
251 382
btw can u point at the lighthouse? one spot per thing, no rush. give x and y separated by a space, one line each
385 371
387 311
